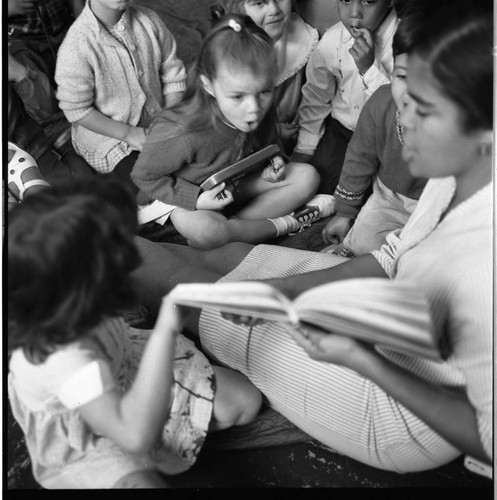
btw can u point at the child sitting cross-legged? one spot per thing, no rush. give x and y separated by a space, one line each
227 113
116 68
101 404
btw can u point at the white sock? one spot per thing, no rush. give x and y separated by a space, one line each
286 224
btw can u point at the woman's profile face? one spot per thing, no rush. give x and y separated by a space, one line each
270 15
435 144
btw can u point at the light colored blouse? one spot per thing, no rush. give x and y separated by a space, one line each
124 73
335 86
451 258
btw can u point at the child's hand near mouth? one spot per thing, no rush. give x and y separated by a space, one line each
363 49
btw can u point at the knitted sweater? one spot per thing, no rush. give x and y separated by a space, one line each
374 149
121 79
451 259
173 163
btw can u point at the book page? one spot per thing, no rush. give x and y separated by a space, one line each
380 311
251 298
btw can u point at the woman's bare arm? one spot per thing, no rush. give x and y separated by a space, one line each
364 266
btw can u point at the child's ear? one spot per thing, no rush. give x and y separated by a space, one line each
207 85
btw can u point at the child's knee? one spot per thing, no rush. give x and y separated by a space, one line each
237 400
213 237
209 234
306 177
250 404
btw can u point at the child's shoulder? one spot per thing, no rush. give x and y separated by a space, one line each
383 94
83 28
381 104
334 33
57 366
145 13
136 9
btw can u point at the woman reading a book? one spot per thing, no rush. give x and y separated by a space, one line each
390 410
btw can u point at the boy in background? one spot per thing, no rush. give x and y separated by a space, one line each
352 60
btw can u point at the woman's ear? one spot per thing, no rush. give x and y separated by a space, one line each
207 85
485 143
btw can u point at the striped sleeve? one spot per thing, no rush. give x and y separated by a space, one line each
387 254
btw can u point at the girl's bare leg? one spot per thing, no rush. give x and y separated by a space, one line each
237 400
265 199
207 229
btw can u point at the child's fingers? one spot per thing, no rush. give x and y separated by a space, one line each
330 236
280 174
217 189
268 174
366 36
278 164
219 192
238 319
275 171
354 53
227 197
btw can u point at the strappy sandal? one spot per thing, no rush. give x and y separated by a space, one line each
19 162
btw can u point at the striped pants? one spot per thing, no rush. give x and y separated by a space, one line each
333 404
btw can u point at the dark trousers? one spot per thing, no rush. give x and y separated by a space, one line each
63 164
330 153
123 171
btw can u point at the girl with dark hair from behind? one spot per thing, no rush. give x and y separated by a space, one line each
101 404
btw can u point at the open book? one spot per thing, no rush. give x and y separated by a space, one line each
392 314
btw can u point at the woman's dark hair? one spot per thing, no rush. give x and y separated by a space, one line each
457 42
413 16
70 254
239 43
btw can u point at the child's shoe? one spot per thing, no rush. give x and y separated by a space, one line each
318 207
325 203
322 205
19 163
